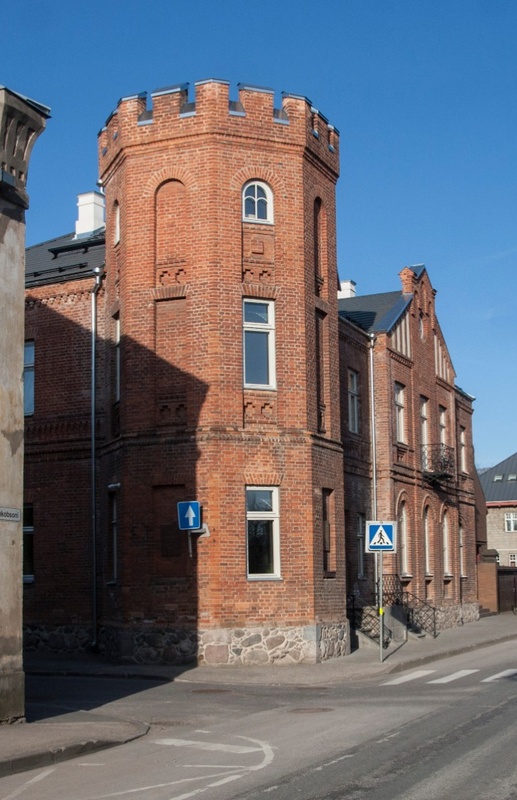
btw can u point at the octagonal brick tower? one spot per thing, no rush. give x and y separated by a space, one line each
221 312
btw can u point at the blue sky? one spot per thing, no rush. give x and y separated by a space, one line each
423 93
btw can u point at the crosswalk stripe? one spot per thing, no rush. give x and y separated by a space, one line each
411 676
507 673
462 673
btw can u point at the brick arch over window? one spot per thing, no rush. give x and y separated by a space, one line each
172 227
257 202
262 175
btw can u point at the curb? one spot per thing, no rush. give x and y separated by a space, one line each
451 651
45 758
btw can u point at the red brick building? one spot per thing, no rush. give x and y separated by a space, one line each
398 380
192 348
215 331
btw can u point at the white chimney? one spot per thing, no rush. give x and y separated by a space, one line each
347 289
90 215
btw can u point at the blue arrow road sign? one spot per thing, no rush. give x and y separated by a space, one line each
189 515
381 537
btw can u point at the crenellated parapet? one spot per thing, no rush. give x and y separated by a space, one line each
170 114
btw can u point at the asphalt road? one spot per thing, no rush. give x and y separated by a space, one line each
443 732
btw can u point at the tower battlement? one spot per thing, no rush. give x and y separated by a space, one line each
171 114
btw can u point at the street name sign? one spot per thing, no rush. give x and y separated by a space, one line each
381 537
189 515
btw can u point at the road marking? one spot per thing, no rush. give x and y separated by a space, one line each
26 785
455 676
507 673
223 748
411 676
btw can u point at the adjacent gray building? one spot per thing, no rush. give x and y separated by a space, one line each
21 122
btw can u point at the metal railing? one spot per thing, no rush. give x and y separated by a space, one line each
421 616
364 617
438 460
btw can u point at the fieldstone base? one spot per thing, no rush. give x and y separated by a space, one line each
245 646
293 645
454 615
71 639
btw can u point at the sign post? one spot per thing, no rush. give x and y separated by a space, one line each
189 518
381 537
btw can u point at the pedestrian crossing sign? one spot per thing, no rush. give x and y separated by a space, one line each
381 537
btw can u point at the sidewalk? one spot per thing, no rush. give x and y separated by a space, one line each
27 746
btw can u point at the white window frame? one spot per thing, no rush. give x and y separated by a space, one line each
461 542
510 521
264 201
403 540
512 559
28 530
271 516
446 545
353 401
116 321
442 424
116 222
29 359
267 329
361 537
427 542
400 412
463 450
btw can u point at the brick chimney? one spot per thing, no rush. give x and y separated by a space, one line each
407 277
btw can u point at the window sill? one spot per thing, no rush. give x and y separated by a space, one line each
256 578
448 577
251 221
330 575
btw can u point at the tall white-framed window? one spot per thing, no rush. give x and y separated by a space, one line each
28 543
361 533
116 222
259 343
403 539
446 548
424 420
463 450
510 521
442 424
512 559
262 532
461 543
28 378
116 338
353 401
400 412
257 202
427 542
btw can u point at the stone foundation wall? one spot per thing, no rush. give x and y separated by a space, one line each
244 646
452 616
72 639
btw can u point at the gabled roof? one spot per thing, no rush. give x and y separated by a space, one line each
500 482
374 313
65 258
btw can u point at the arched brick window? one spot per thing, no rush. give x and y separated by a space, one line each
257 202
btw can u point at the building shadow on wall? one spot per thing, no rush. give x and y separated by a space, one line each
120 584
